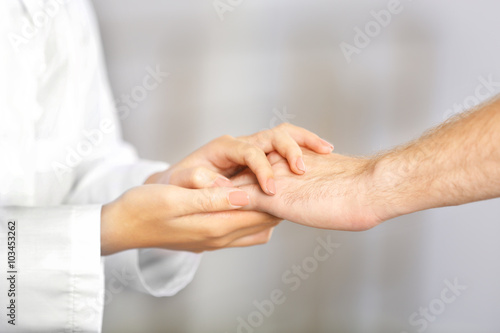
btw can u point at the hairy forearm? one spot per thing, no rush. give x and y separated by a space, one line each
455 163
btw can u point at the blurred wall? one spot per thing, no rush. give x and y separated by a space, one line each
269 61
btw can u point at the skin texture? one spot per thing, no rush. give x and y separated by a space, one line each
455 163
189 207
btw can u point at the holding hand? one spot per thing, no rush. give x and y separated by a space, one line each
212 164
171 217
199 210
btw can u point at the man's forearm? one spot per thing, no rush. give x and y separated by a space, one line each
456 163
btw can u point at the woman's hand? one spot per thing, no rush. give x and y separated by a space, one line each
214 163
171 217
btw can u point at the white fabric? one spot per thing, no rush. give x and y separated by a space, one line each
62 158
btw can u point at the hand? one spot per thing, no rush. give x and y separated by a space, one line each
223 157
333 194
171 217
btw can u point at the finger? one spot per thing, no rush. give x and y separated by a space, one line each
225 242
287 147
244 178
259 238
274 158
307 139
199 177
258 200
253 157
207 200
231 222
264 221
226 239
303 137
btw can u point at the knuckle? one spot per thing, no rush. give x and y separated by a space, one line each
251 153
283 126
207 204
278 136
167 198
198 175
210 233
264 136
218 242
265 237
225 138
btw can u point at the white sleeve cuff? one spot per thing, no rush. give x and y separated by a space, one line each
154 271
60 279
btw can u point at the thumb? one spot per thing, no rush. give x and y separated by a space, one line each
208 200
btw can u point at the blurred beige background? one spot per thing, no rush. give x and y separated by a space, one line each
269 58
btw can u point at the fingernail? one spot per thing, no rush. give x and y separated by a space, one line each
223 182
239 198
300 164
326 143
271 186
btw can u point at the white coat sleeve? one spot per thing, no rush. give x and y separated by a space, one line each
52 276
50 263
59 275
111 169
154 271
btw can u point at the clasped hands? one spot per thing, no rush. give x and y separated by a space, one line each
232 192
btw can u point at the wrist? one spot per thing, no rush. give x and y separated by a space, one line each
372 206
389 189
111 238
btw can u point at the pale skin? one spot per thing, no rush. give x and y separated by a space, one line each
193 206
453 164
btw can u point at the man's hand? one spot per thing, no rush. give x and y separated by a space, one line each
333 194
453 164
171 217
210 165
